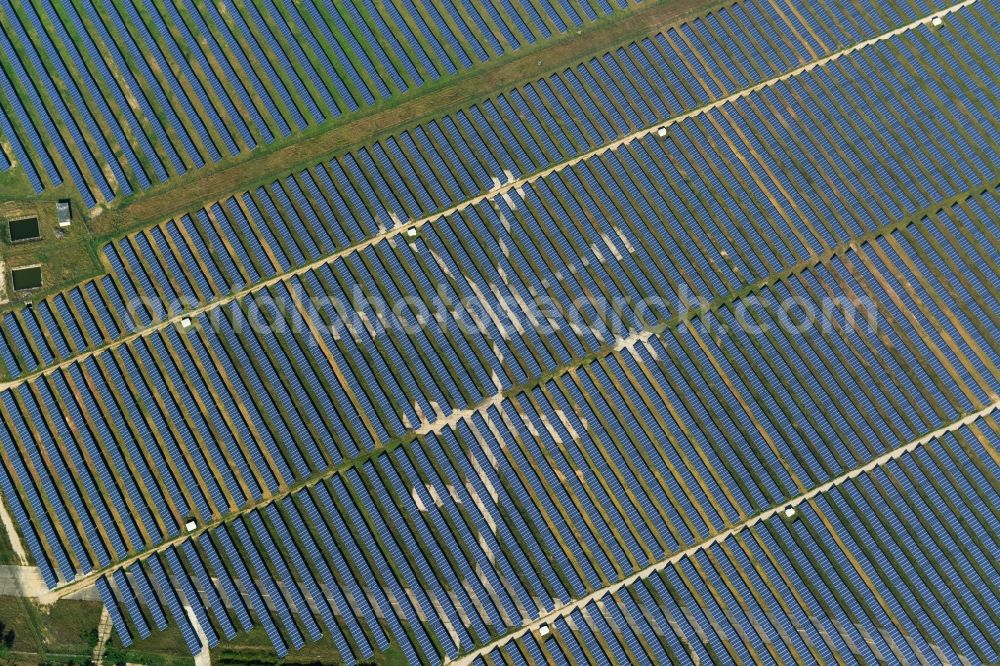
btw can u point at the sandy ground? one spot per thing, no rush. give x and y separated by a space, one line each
24 581
8 522
202 658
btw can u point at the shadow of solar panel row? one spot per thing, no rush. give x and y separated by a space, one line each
892 566
304 216
431 167
609 466
250 401
152 90
779 592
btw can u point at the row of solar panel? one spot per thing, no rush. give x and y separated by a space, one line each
198 83
227 423
796 43
181 505
394 401
384 391
864 573
705 37
232 246
765 483
438 144
292 243
389 165
932 511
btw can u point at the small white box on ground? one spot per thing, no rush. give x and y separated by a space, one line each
661 132
543 630
190 526
789 512
186 322
937 21
411 232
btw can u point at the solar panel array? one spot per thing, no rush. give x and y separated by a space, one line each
865 569
894 566
238 242
732 451
118 96
265 402
436 487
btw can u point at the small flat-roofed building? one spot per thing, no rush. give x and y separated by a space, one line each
63 216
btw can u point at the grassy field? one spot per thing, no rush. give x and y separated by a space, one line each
62 634
7 555
253 648
14 183
162 648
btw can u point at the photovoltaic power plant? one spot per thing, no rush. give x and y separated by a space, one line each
757 422
117 96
